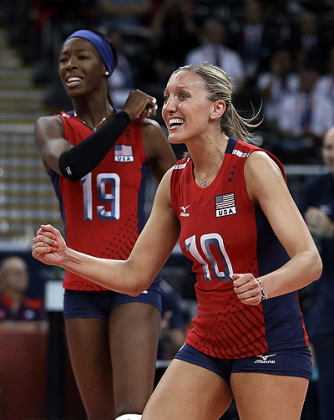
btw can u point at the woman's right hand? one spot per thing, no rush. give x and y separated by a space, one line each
49 246
139 104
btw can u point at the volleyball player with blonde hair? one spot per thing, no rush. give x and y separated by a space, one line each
229 206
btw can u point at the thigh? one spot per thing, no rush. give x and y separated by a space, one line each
260 396
134 330
188 392
88 345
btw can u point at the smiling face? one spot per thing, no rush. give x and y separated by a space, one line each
187 109
81 68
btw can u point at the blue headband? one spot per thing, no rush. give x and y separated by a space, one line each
100 44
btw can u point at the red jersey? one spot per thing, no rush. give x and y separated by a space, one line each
104 211
223 233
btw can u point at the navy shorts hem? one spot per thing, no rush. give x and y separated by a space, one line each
291 362
82 304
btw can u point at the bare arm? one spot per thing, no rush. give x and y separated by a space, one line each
267 188
50 141
130 276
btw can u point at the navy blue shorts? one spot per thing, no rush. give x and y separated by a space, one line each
293 362
81 304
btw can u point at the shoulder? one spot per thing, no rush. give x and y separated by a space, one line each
150 126
165 182
179 173
245 148
260 161
163 193
168 175
263 174
153 136
262 165
48 121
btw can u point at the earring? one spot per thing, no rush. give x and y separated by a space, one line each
107 73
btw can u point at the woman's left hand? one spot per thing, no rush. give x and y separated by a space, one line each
247 288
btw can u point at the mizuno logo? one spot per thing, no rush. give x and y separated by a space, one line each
183 212
263 358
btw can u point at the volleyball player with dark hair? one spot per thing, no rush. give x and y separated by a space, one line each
96 156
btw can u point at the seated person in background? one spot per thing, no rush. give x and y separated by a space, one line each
309 42
16 310
273 84
253 38
305 115
125 15
214 51
318 209
325 84
174 33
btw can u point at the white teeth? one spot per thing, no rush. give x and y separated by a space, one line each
176 121
73 79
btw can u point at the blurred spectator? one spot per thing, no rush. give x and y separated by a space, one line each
318 210
274 84
325 85
253 39
52 21
16 310
7 11
124 15
174 34
215 52
282 17
309 42
17 14
320 7
121 82
289 8
304 117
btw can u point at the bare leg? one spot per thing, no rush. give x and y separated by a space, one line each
134 333
90 357
188 392
260 396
